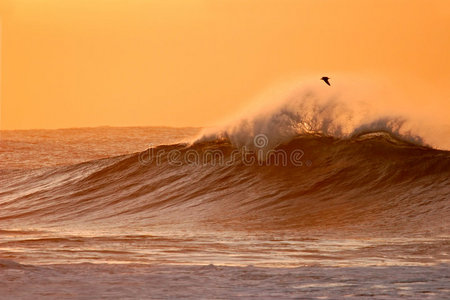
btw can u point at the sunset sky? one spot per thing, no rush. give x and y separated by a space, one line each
77 63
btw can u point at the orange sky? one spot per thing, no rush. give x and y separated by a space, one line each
77 63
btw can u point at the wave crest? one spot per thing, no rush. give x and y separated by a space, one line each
311 110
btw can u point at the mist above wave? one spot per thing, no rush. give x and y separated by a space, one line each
341 112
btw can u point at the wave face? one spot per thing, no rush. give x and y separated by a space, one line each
373 183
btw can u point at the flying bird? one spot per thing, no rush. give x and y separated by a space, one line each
326 80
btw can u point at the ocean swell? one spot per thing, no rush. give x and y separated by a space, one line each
372 179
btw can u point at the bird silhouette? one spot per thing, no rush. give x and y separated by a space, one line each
326 80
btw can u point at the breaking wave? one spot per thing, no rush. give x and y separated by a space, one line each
326 164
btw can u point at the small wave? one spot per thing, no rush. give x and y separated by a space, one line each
10 264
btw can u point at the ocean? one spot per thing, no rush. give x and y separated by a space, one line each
262 210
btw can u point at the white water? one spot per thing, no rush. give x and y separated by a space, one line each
343 110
